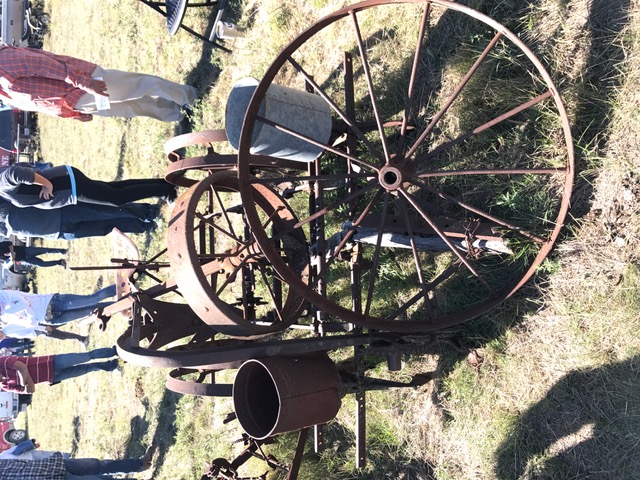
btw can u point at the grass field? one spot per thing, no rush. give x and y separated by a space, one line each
543 387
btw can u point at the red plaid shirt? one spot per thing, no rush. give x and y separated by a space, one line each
40 369
39 81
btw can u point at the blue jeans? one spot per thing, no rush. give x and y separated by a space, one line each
71 365
30 256
94 469
68 307
92 220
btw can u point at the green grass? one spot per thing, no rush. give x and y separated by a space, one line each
555 394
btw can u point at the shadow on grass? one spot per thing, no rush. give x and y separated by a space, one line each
598 84
587 427
138 428
163 436
165 433
76 436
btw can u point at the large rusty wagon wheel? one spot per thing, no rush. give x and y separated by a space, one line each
220 270
454 179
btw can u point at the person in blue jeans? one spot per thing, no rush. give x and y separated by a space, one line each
28 459
38 310
76 221
21 374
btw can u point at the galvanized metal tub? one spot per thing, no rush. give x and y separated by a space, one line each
299 111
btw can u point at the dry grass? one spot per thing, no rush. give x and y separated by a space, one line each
555 395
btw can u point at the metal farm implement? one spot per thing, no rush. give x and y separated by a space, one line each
371 205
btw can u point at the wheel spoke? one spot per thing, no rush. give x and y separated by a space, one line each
334 178
414 71
480 212
414 251
372 94
503 171
448 272
316 143
348 235
445 239
277 302
453 96
485 126
345 118
207 220
367 188
376 255
224 212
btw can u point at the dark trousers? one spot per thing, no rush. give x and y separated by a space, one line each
92 220
121 192
29 256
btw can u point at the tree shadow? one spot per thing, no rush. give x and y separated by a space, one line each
587 427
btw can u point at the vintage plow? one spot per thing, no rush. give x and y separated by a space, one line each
366 208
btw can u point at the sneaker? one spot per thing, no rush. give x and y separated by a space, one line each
147 458
170 198
85 343
118 370
185 125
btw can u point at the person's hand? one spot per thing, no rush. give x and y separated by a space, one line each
98 87
47 191
85 117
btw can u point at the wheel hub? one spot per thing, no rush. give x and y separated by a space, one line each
391 177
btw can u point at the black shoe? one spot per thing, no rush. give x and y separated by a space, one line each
170 198
147 458
185 125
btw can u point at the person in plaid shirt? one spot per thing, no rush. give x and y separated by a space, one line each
25 462
51 468
38 81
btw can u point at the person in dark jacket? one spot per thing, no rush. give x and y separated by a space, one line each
11 253
76 221
64 185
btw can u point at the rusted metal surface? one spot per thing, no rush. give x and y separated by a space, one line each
203 385
400 176
212 161
270 396
220 270
213 353
379 242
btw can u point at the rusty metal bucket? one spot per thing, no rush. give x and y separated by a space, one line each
302 112
284 394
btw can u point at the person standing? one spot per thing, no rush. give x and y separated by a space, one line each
30 255
64 185
21 374
16 332
35 310
39 81
25 461
76 221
